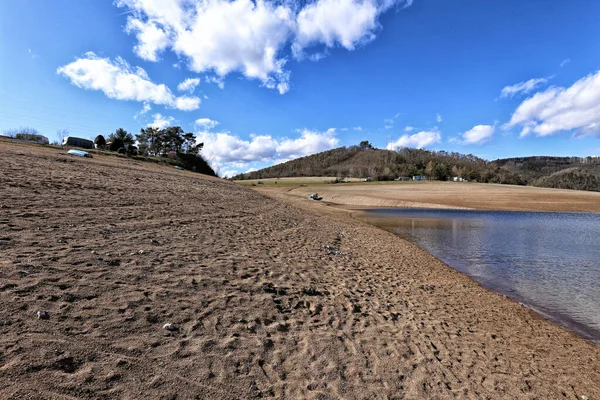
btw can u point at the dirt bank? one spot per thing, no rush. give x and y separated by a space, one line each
445 195
270 299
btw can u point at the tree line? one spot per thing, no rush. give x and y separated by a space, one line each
365 161
151 141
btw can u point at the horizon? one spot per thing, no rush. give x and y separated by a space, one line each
261 83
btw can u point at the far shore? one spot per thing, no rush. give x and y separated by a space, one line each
455 195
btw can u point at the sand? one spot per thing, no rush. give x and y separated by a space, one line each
272 297
439 195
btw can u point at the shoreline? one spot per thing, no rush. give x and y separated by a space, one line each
267 297
563 322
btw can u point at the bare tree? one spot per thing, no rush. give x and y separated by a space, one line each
23 130
62 134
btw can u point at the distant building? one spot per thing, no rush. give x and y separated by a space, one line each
418 178
403 178
78 142
458 179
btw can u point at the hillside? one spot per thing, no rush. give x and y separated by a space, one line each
365 161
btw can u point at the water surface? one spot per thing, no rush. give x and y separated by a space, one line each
549 261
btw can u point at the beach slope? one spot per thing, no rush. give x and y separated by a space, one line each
267 298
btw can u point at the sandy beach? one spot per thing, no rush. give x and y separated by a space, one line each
434 194
269 295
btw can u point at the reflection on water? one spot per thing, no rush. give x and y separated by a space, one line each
549 261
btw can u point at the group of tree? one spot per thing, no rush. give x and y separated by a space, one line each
151 141
172 143
364 161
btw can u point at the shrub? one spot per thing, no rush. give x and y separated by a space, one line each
100 142
116 145
121 150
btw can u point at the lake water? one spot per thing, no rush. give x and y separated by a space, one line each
549 261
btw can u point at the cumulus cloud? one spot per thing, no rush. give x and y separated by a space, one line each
409 128
206 124
118 80
223 149
438 118
522 87
188 85
161 121
347 23
358 128
248 36
559 109
478 134
418 140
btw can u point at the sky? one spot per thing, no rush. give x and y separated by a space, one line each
262 82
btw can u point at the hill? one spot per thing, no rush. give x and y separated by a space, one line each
365 161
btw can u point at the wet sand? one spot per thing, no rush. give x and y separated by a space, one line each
272 297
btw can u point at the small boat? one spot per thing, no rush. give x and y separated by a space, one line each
79 153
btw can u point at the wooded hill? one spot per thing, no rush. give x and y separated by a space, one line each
365 161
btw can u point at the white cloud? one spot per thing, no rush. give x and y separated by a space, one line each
418 140
222 149
478 134
206 123
118 80
188 85
565 62
151 38
249 36
309 142
217 80
143 111
161 121
347 23
409 128
559 109
438 118
358 128
522 87
187 103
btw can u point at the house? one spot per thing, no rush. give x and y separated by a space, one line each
418 178
402 178
78 142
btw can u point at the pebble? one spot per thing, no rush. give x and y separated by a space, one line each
170 327
43 315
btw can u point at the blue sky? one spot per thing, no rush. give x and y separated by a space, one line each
262 82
